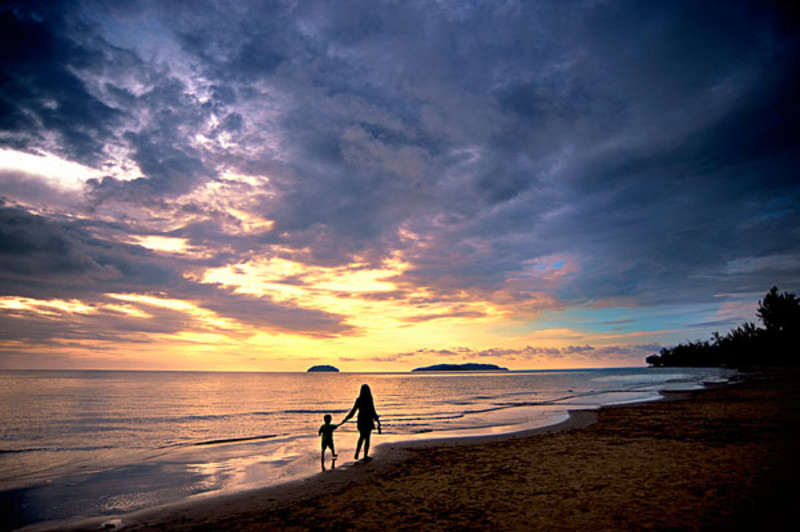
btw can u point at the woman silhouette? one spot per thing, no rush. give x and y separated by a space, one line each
366 418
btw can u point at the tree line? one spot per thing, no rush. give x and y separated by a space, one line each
775 343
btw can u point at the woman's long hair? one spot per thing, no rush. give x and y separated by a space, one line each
365 399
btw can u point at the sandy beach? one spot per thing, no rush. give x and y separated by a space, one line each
717 459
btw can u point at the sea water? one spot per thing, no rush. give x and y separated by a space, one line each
85 443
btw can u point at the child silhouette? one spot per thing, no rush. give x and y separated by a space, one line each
326 431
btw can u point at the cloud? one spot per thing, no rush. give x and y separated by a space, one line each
444 315
525 156
527 354
42 94
35 190
38 255
42 258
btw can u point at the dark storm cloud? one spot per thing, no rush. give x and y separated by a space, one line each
40 93
33 189
161 148
654 196
40 257
66 89
644 150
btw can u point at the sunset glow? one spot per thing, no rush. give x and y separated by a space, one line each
390 186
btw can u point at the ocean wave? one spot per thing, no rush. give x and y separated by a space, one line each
500 406
655 378
235 440
93 424
220 441
527 392
55 449
421 417
29 450
311 411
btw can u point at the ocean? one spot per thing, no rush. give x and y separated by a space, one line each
88 443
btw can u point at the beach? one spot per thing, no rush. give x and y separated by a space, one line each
720 458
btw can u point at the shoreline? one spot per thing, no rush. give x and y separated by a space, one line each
716 458
307 503
383 457
389 448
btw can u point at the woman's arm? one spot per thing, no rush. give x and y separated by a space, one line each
351 413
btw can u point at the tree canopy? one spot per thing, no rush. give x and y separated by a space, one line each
774 344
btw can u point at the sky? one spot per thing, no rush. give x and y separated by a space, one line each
382 185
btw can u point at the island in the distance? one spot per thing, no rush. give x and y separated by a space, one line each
322 368
462 367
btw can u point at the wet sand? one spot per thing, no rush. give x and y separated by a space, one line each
717 459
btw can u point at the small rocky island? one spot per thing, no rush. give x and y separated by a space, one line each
462 367
322 369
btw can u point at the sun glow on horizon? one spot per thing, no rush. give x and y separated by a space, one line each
393 324
371 298
390 319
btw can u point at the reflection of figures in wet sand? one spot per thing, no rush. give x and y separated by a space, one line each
326 431
367 416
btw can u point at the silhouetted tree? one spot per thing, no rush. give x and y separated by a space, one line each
654 361
779 312
746 345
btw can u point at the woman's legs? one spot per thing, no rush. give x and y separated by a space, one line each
358 446
363 439
366 442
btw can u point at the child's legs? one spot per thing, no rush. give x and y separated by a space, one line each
325 445
358 445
